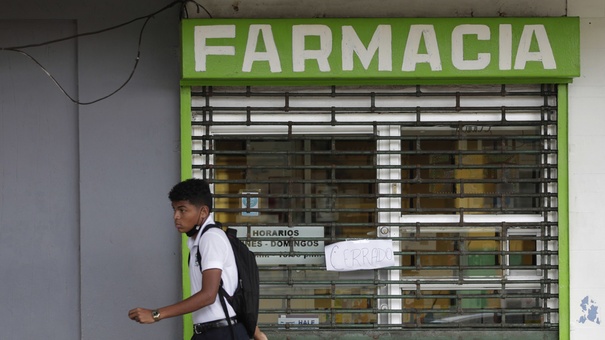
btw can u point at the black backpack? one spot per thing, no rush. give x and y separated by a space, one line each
246 296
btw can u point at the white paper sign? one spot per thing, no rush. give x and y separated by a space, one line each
250 203
293 319
361 254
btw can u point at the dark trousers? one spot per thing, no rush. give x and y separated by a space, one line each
223 333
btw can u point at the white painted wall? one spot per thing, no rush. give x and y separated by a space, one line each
587 171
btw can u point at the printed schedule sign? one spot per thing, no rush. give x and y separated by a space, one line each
287 245
379 50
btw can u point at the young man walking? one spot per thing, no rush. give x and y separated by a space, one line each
192 206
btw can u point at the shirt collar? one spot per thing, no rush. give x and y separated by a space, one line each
196 242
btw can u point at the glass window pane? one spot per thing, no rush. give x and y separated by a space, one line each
472 308
454 254
490 169
314 180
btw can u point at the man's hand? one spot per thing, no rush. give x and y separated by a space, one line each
141 315
259 335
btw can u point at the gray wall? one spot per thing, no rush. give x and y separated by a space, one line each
85 222
39 207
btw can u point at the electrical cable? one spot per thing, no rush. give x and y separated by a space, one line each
198 6
136 63
19 49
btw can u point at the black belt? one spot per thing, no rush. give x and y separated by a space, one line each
200 328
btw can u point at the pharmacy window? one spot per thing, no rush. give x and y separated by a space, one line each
462 179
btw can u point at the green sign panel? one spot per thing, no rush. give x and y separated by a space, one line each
379 51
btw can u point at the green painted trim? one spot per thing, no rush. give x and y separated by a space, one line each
186 173
186 160
563 198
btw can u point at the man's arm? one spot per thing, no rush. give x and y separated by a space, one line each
211 280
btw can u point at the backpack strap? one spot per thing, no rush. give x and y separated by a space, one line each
198 257
221 294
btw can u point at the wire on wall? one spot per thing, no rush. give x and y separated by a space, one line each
19 49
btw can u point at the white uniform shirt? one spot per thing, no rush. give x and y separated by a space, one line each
216 252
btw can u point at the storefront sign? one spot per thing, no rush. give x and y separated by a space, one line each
340 51
292 244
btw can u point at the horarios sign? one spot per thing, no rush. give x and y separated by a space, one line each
285 245
340 51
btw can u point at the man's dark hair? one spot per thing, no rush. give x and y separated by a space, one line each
194 190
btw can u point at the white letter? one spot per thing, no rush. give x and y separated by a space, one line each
299 54
506 47
544 53
271 50
482 32
411 57
381 41
200 49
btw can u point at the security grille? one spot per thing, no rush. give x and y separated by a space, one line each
462 179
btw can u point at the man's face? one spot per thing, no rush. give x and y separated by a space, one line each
186 215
